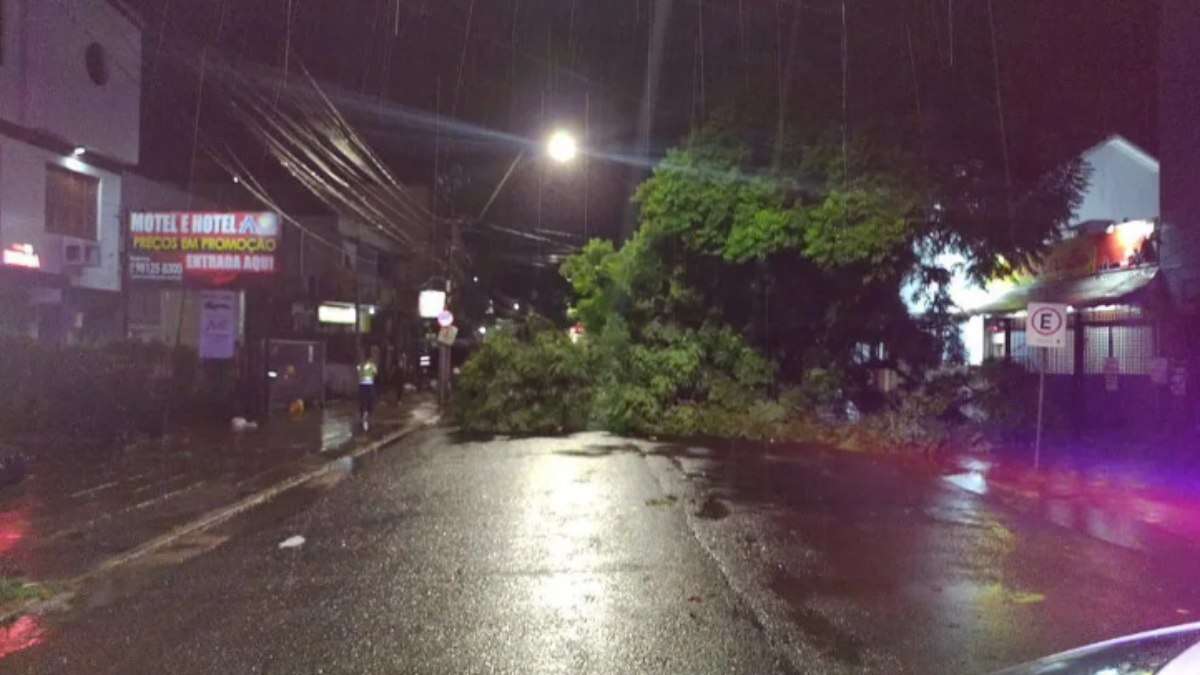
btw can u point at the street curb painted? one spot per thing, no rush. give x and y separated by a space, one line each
216 517
224 513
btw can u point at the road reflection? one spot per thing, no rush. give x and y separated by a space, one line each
14 527
1068 499
20 635
559 537
560 522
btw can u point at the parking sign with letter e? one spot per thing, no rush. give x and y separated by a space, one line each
1046 325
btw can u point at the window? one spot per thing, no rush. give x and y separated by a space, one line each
95 59
1132 346
71 203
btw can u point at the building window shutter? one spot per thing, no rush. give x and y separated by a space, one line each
72 203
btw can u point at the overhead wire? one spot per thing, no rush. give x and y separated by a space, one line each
228 159
462 62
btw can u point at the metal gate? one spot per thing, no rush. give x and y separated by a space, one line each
295 370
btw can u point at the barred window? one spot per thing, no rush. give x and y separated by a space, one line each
1058 361
1132 346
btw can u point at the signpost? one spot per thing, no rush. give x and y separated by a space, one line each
432 305
1045 328
1160 371
1112 373
218 324
447 334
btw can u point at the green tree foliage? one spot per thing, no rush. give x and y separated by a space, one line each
675 380
526 380
808 260
734 270
670 380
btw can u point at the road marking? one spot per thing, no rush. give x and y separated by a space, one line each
91 490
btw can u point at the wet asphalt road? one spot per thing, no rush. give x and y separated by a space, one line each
592 554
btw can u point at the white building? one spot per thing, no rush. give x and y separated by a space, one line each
1123 183
70 97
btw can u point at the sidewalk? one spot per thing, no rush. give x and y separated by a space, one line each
75 510
1134 502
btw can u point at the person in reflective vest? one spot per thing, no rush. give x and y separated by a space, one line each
368 371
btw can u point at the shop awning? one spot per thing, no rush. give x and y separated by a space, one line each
1112 287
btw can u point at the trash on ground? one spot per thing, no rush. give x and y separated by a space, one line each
242 424
294 541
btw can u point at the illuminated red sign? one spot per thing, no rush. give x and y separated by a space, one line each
1123 245
202 248
21 255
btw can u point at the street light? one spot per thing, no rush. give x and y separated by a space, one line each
562 147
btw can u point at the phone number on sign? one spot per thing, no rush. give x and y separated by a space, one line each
150 269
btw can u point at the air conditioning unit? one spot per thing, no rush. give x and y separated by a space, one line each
80 253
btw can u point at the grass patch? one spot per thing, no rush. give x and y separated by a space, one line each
16 589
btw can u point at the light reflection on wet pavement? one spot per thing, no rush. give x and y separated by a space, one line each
21 633
1120 510
889 568
595 554
75 507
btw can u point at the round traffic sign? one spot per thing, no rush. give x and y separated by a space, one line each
445 318
1047 320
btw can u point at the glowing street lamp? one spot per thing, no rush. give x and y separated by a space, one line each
562 147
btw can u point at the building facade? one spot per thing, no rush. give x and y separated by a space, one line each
70 97
1124 363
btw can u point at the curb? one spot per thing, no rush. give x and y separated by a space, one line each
215 517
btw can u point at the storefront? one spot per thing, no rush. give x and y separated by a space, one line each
1125 364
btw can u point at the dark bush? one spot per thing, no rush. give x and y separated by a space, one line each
1006 396
674 381
527 379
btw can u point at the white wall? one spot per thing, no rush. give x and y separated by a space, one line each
23 212
44 83
1124 184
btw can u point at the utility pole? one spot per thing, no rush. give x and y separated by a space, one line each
444 366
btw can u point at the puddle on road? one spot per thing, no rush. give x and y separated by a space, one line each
971 482
712 509
1115 528
1105 518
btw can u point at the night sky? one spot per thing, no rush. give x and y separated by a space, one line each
1071 73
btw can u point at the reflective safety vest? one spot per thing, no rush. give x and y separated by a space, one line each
367 372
